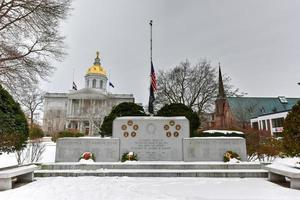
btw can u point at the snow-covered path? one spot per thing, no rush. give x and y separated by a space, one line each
97 188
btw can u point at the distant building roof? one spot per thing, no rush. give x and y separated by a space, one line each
245 108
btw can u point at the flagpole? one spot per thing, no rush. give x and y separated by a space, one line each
150 105
108 81
73 77
151 40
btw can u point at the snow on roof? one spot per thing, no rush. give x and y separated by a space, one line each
225 132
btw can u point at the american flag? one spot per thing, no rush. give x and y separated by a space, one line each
153 88
153 78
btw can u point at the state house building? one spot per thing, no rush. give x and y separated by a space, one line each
84 109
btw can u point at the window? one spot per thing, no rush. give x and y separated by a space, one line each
255 125
94 83
277 122
264 125
101 84
88 83
282 99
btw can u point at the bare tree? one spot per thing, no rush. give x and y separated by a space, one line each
243 111
37 148
29 39
195 86
31 99
32 153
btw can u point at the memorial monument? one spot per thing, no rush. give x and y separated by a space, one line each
151 139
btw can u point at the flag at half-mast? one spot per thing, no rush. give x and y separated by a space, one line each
74 86
111 85
153 88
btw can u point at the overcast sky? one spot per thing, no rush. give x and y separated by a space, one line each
257 42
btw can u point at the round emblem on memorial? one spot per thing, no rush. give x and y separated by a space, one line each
172 122
124 127
133 134
135 127
166 127
176 134
125 134
177 127
130 122
168 134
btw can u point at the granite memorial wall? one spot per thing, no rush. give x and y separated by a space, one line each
152 139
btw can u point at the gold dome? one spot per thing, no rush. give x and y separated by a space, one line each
97 68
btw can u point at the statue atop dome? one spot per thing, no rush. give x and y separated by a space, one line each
97 68
96 76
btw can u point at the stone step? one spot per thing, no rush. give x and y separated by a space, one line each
150 165
240 173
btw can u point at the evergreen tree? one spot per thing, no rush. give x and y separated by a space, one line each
123 109
291 132
13 124
178 109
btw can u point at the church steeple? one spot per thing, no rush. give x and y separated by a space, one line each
221 93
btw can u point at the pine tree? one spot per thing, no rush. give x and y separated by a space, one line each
123 109
179 109
291 133
13 124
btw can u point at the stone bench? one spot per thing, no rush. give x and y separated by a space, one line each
22 173
277 173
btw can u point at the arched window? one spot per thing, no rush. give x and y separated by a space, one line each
88 83
94 83
101 84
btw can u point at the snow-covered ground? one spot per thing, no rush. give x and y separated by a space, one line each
97 188
48 156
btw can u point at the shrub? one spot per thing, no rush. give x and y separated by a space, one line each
269 148
291 132
123 109
35 132
260 145
14 127
178 109
66 133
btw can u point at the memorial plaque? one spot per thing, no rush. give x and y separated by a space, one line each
212 148
152 138
70 149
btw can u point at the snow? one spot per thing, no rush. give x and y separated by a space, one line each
48 156
225 132
287 161
83 161
234 160
110 188
137 188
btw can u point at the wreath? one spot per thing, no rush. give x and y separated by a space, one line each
229 155
129 156
87 156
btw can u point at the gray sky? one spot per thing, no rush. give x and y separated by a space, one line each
257 42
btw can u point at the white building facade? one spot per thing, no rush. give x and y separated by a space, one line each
82 110
270 122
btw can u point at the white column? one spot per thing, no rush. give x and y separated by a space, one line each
271 127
